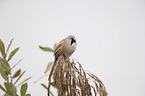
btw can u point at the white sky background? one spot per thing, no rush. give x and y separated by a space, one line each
110 36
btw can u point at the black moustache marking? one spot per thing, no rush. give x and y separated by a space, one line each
72 41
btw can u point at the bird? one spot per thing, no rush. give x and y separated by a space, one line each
66 46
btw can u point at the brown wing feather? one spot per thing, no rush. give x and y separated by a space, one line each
59 46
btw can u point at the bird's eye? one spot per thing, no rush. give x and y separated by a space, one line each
73 41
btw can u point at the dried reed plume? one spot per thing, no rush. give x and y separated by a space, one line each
72 81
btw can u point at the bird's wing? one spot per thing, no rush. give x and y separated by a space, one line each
58 46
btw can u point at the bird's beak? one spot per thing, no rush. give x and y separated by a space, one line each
75 41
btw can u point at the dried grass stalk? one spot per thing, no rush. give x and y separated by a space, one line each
72 81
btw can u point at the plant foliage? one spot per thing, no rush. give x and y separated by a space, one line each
10 80
70 79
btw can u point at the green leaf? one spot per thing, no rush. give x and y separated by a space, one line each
5 66
48 67
2 88
45 75
16 64
19 77
53 84
46 89
28 95
23 89
13 53
25 80
2 49
47 49
7 94
9 45
51 93
8 87
55 45
44 86
11 89
3 74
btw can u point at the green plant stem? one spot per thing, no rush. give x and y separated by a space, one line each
49 79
